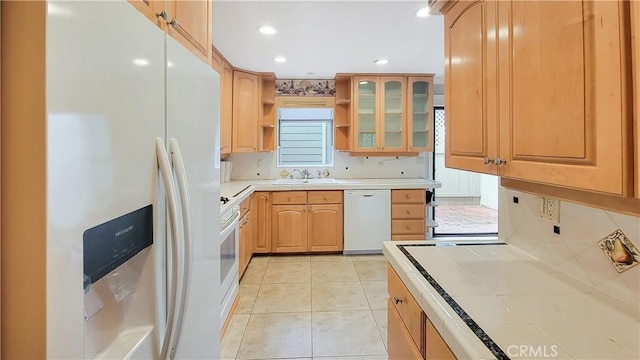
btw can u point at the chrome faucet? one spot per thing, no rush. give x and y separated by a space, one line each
305 174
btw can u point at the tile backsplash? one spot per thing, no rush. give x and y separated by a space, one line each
575 250
264 166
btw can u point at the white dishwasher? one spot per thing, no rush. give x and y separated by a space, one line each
367 220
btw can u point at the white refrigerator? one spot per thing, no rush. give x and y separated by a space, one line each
124 99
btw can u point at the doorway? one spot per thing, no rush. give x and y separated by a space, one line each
467 201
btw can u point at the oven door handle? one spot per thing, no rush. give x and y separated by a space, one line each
228 227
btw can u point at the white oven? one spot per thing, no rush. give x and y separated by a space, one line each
229 247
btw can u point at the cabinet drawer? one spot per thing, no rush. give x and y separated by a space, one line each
289 197
415 196
407 227
408 308
324 197
407 211
245 206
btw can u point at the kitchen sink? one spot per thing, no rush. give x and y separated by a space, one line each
304 181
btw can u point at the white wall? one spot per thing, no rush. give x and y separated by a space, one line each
489 185
263 166
574 251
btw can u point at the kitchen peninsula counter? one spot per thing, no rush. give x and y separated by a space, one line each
494 301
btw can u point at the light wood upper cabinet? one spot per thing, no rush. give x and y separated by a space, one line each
152 9
470 90
245 111
635 57
289 228
365 116
226 108
420 113
557 110
325 227
392 122
190 24
261 210
564 114
379 114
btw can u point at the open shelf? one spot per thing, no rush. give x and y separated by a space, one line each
342 125
268 101
267 126
343 102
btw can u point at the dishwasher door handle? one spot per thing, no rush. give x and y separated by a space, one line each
368 195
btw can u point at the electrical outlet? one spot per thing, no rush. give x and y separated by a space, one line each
553 210
380 163
419 160
542 207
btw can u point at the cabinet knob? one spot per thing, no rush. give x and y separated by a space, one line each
396 300
408 227
173 22
487 160
408 212
163 14
324 198
500 162
408 196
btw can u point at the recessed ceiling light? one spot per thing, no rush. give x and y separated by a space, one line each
141 62
279 59
423 12
268 30
381 61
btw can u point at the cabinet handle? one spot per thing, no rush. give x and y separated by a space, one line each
487 160
324 198
408 196
500 162
396 300
408 212
163 14
408 227
173 22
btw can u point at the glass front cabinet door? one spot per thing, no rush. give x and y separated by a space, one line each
366 114
420 114
393 114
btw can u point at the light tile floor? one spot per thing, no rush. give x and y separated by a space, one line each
310 307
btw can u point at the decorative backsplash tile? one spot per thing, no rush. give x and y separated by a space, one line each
620 251
305 88
575 251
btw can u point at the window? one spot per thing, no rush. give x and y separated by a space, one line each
305 137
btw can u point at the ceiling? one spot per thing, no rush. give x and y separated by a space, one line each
322 38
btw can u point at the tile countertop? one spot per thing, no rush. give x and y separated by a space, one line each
239 190
518 305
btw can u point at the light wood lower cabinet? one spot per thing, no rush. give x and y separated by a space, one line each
435 345
261 210
408 214
400 346
410 334
289 228
245 242
304 221
325 227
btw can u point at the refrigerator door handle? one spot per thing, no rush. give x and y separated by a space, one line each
183 190
165 171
